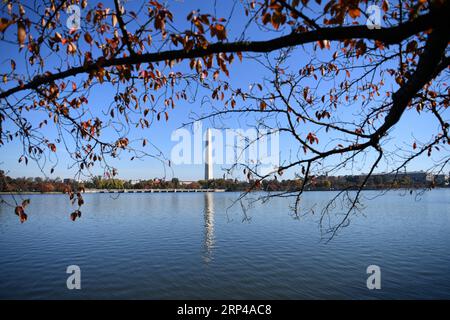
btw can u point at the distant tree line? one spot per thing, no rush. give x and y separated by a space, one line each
37 184
380 181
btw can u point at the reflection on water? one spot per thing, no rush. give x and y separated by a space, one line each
209 226
194 246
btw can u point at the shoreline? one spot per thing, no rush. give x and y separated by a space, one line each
130 191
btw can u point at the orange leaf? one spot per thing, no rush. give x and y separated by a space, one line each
52 147
5 23
21 33
354 12
239 54
262 105
88 37
266 18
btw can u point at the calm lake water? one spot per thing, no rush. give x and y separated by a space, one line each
157 246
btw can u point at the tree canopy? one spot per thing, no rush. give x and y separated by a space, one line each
151 56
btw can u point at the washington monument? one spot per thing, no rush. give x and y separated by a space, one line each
208 156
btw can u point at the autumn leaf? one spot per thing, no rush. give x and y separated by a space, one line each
276 20
266 18
324 44
239 54
25 203
19 211
88 38
21 33
52 147
411 46
122 143
262 105
305 92
74 215
311 137
4 24
58 37
71 48
220 31
114 19
354 12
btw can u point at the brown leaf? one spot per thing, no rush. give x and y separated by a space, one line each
52 147
25 203
239 54
262 105
266 18
21 33
21 213
278 19
4 24
354 12
411 46
114 19
88 38
73 216
71 48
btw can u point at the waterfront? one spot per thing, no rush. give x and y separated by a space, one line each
188 245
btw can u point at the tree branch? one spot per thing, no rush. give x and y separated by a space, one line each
386 35
126 38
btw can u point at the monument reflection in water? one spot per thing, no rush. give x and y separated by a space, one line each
209 227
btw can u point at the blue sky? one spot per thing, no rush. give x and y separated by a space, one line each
412 126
